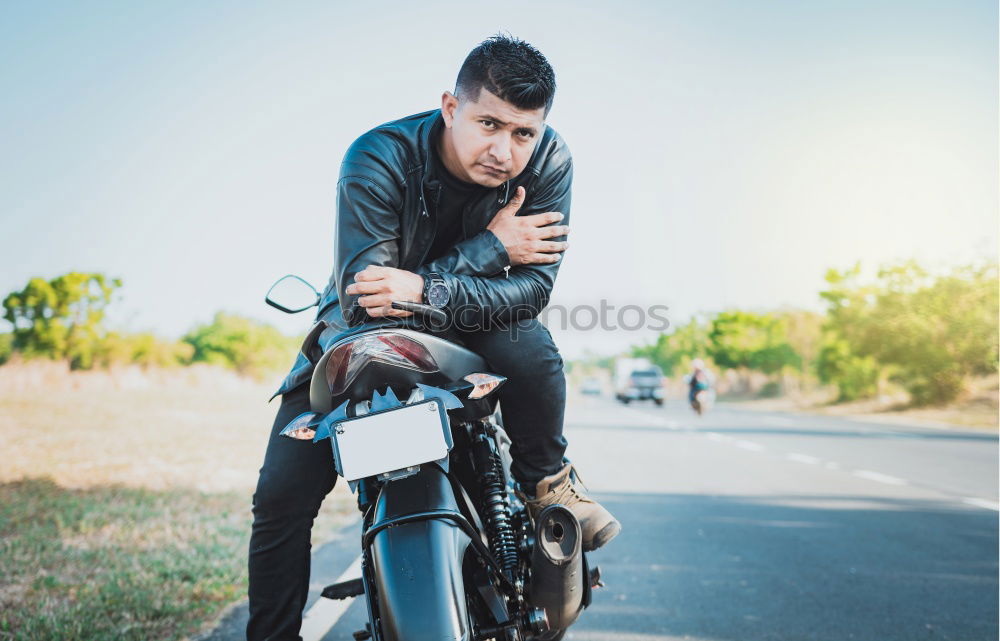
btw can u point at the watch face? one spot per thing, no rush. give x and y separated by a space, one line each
437 295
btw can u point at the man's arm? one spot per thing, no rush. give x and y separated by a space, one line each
367 249
525 291
368 234
481 255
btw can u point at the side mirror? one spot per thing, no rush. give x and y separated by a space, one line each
292 295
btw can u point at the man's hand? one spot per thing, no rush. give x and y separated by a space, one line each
524 236
382 285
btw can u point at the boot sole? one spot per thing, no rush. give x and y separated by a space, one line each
605 534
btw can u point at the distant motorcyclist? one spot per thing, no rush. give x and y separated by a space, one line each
700 383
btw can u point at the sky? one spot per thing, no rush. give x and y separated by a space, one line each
726 154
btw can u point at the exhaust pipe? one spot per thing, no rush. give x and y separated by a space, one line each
557 576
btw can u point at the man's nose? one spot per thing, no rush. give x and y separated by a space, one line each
500 149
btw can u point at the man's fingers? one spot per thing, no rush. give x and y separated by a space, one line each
514 204
372 272
552 232
386 310
545 246
376 300
547 218
542 259
365 287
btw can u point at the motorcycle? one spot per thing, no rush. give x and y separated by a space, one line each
701 395
448 551
702 401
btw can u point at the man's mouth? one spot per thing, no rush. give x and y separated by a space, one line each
493 170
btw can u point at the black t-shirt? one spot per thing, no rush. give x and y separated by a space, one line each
452 200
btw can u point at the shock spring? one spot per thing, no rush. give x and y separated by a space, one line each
496 508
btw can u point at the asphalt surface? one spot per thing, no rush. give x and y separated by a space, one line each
744 525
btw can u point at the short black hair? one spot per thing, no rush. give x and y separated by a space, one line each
510 69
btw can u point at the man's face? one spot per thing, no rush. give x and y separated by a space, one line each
488 141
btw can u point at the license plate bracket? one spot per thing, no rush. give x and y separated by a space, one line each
391 439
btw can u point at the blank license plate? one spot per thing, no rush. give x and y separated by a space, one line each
391 440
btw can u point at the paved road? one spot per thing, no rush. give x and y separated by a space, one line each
747 525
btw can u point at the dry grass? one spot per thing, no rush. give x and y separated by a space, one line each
125 499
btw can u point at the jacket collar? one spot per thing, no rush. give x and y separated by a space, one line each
428 136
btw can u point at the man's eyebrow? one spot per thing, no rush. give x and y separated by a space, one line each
487 116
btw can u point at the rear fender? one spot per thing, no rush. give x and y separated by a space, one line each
417 561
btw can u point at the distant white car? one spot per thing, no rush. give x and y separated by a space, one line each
591 386
641 384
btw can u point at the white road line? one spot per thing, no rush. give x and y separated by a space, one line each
880 478
989 505
830 465
325 613
803 458
718 438
646 418
750 445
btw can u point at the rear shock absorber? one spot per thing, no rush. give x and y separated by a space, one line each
496 509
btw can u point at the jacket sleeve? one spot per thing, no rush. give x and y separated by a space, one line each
369 201
368 232
477 301
481 255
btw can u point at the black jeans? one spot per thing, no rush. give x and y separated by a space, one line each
297 475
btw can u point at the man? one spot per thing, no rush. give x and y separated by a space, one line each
699 380
464 208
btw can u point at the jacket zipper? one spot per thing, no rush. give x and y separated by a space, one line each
503 202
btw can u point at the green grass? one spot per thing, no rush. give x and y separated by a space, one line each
116 562
125 500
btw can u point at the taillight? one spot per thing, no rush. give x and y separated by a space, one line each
411 350
347 360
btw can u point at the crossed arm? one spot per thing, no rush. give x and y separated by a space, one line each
522 235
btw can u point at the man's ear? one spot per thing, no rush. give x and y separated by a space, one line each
449 104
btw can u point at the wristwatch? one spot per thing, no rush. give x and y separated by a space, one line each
436 292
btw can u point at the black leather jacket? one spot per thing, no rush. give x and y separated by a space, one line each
386 197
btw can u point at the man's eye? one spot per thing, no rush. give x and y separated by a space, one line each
525 134
489 124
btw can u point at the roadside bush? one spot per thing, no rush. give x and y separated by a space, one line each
143 349
250 347
856 377
771 389
6 347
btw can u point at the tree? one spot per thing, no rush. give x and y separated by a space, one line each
674 350
931 332
745 340
61 318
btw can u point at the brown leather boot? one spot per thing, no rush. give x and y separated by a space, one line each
597 524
